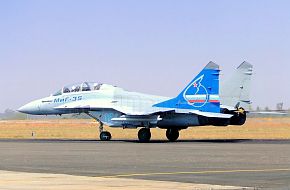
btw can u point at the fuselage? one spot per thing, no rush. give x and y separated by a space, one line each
107 94
108 99
104 95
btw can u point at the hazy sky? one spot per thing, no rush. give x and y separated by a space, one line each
151 46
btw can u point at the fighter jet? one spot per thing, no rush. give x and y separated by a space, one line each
198 104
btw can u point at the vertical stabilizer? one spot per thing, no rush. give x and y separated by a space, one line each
236 91
202 93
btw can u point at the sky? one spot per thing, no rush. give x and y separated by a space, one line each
150 46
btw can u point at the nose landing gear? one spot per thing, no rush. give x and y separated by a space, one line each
104 135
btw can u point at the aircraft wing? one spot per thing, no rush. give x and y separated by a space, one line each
159 111
147 118
155 116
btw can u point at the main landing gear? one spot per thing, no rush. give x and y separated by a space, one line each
172 134
144 135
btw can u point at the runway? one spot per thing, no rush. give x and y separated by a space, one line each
262 164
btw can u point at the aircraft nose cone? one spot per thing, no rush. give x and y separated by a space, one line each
29 108
22 109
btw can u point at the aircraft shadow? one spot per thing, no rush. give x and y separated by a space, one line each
193 141
128 141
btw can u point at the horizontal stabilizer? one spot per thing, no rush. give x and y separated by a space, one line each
213 115
205 114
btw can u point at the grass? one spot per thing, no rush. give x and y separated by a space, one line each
255 128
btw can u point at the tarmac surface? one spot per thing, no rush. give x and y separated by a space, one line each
263 164
10 180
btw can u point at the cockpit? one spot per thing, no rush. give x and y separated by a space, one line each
80 87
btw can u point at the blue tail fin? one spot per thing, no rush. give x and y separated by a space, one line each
202 93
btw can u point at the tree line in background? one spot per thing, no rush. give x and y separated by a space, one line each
279 107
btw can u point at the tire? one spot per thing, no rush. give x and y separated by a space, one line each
172 134
105 136
144 135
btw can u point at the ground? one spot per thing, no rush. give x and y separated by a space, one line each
255 128
65 154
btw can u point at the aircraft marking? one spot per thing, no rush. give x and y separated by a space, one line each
68 99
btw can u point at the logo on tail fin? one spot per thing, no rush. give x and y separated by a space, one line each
196 94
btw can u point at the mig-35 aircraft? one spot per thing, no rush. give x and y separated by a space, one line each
198 104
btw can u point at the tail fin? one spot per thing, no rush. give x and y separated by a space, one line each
236 91
202 93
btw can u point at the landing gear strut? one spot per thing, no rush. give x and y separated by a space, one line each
172 134
144 135
104 135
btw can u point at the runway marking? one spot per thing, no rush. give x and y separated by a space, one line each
195 172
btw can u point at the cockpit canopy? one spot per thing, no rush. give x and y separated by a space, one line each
80 87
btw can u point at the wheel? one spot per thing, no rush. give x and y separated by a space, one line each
172 134
144 135
105 136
